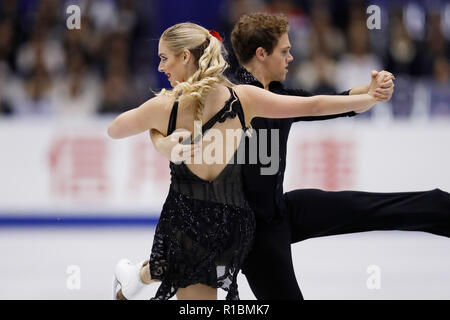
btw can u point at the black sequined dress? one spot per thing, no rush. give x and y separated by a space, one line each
206 228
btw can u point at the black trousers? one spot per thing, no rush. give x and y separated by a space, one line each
314 213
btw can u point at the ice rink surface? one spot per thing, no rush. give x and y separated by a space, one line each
78 263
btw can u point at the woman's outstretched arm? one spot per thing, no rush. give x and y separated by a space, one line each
262 103
150 114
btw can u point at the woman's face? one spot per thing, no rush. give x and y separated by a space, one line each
170 64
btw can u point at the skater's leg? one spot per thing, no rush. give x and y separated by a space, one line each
316 213
268 267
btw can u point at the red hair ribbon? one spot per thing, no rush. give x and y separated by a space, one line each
215 34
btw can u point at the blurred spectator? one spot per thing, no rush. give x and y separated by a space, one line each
103 13
403 51
236 9
77 93
40 47
356 11
327 43
436 40
116 53
287 7
316 75
324 37
108 66
299 25
441 71
116 95
117 92
7 43
48 15
86 40
128 17
440 88
5 108
356 66
12 33
6 54
32 97
435 45
9 9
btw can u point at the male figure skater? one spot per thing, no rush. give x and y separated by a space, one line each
261 44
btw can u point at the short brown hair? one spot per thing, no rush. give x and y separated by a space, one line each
257 30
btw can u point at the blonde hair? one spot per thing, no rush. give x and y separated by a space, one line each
207 52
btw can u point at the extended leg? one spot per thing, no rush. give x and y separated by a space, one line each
315 213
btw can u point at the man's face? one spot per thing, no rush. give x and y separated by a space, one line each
276 64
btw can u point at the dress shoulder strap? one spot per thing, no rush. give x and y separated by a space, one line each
231 108
173 118
239 110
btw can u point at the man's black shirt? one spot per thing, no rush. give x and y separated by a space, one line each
265 192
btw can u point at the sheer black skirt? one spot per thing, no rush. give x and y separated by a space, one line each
200 241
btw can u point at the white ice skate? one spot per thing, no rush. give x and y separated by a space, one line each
127 278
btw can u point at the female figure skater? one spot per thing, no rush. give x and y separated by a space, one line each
206 227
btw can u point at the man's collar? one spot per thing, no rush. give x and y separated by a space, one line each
243 76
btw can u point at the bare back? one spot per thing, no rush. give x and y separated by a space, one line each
219 144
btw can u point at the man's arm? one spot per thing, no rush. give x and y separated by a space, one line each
384 89
259 103
304 93
359 89
383 81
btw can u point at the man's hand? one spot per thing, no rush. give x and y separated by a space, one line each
381 86
172 147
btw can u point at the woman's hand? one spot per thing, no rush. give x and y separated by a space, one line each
172 147
382 85
380 89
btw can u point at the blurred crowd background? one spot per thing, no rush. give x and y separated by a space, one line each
110 64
